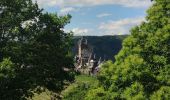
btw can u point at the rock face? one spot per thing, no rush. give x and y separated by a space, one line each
85 58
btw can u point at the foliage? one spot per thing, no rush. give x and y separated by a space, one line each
6 69
78 90
162 94
134 92
99 94
141 70
38 49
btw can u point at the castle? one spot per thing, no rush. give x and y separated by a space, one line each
85 60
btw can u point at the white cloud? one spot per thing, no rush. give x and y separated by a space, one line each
67 10
49 3
103 15
121 26
80 31
85 3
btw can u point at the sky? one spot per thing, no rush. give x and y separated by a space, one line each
99 17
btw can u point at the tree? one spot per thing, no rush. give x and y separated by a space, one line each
142 66
38 49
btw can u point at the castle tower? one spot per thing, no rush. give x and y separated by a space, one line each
84 52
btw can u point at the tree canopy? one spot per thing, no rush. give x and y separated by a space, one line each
142 68
34 50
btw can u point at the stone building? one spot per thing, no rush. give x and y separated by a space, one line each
85 60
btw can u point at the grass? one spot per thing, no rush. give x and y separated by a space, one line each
42 96
85 78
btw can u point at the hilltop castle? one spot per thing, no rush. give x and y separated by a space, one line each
85 60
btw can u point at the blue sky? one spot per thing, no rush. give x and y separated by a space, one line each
99 17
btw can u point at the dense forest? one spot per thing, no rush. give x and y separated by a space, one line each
35 50
105 47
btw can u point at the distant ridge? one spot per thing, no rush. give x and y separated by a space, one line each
104 46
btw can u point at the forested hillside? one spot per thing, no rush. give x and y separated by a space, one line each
105 47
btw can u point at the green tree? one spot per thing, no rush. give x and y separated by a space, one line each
142 66
162 94
38 49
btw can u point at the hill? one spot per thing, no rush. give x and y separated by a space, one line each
103 46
